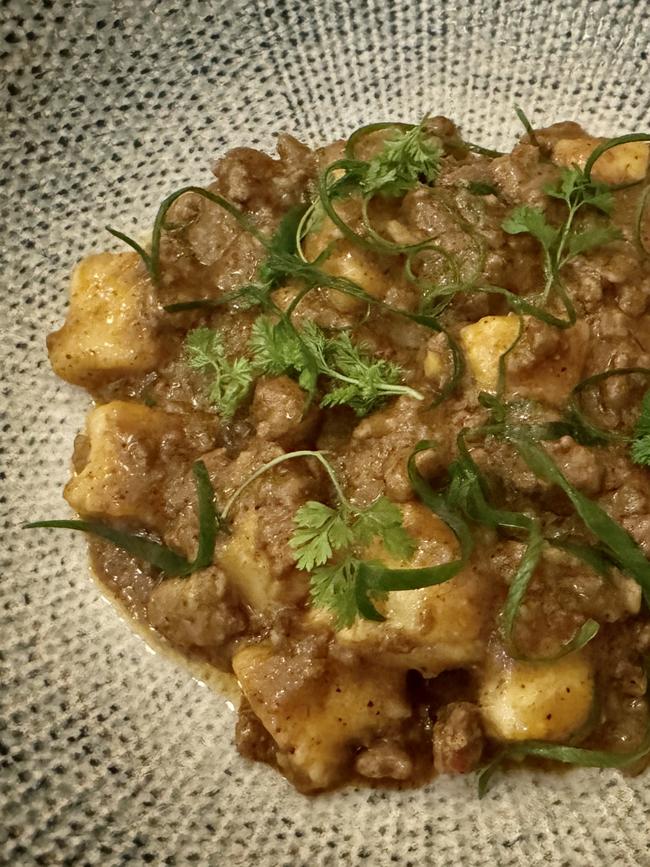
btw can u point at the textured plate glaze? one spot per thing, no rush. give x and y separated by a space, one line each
109 754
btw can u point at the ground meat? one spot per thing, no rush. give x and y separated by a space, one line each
255 181
457 738
384 760
521 175
547 137
251 738
280 413
621 653
548 363
380 445
579 464
196 613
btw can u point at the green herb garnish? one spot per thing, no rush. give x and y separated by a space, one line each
578 190
328 543
405 160
527 125
563 243
160 556
568 755
230 381
359 380
640 448
615 541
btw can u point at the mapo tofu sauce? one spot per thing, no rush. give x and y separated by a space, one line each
344 404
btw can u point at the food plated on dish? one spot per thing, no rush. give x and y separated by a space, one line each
371 431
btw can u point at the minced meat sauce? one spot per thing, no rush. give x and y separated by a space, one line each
439 685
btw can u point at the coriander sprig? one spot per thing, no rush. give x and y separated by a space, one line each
230 381
577 189
360 381
563 243
406 159
330 543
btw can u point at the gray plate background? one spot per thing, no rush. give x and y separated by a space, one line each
109 754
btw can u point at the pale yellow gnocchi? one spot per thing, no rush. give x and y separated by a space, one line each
432 628
484 342
316 738
110 330
625 163
122 462
537 700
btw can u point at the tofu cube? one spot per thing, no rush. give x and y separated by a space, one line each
537 700
432 628
319 716
128 446
110 330
622 164
484 342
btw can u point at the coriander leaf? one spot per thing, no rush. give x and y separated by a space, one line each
640 448
532 220
275 347
385 520
348 586
334 587
279 349
599 197
576 190
320 530
586 239
361 381
366 381
231 381
404 160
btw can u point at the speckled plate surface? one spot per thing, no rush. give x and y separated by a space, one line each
109 754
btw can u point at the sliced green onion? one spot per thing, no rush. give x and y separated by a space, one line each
154 553
527 125
616 541
607 145
568 755
584 430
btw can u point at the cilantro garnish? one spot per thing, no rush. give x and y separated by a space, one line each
230 381
640 447
359 380
563 243
406 159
